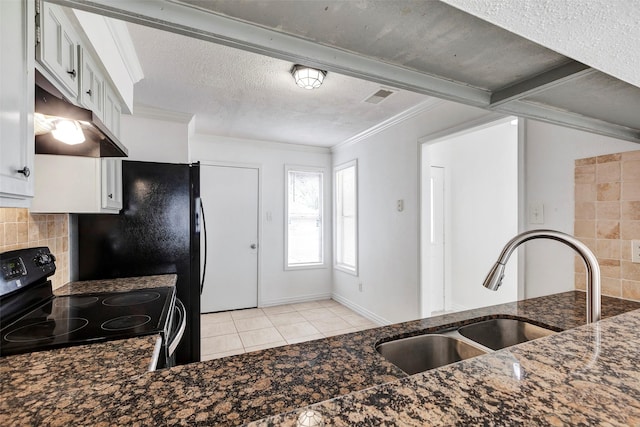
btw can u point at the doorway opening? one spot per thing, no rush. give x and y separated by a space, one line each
469 194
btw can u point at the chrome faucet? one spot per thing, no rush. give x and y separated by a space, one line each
494 278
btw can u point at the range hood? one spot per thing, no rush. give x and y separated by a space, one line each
53 111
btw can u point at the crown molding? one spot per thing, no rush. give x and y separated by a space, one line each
422 107
125 47
149 112
259 143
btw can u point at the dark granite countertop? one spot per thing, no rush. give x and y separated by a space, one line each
116 285
249 387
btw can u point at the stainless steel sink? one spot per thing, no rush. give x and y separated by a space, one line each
424 352
500 333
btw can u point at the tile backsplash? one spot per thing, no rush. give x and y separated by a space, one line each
21 229
607 219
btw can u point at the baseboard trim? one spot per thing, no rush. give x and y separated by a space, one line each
361 310
294 300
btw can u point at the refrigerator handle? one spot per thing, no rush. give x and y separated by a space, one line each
204 228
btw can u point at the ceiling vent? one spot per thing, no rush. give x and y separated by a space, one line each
379 96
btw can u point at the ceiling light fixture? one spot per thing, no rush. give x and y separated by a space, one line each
306 77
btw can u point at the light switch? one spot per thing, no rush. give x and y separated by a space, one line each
635 251
400 205
536 213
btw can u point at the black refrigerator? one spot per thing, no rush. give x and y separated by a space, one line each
156 232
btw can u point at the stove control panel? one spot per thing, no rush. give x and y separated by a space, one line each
23 267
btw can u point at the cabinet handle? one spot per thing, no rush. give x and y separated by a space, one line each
110 195
89 92
72 73
25 171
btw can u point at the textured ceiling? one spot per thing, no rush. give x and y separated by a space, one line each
604 34
427 36
245 95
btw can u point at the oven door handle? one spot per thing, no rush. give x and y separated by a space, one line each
177 337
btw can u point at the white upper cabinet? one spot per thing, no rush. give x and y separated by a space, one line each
67 57
16 102
77 184
58 47
92 85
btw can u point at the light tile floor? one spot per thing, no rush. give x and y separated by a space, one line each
241 331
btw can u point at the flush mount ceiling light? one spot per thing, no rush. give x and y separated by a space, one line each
306 77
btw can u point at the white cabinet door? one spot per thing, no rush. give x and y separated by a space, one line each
58 49
112 111
16 101
92 86
77 184
112 184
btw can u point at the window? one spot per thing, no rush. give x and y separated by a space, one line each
304 229
346 221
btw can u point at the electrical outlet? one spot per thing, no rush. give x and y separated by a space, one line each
536 213
635 251
360 287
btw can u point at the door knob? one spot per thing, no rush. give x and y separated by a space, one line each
253 246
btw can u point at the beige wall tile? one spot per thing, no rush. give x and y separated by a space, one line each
584 229
10 214
23 232
585 174
22 215
609 249
625 250
608 172
631 210
587 161
609 158
608 191
607 210
607 229
19 229
630 230
585 192
581 281
609 268
631 170
631 290
10 233
630 190
630 271
611 287
585 210
630 155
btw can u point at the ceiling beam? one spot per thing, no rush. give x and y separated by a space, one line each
549 114
193 22
541 82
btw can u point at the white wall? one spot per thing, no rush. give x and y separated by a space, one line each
155 140
481 211
276 286
388 170
549 155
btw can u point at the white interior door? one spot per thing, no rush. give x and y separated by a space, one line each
230 199
437 285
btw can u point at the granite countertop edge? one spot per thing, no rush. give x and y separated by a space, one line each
330 373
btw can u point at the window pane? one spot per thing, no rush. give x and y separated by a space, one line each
304 231
346 217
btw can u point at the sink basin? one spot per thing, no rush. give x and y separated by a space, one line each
424 352
500 333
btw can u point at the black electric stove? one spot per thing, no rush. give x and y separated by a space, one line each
33 319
